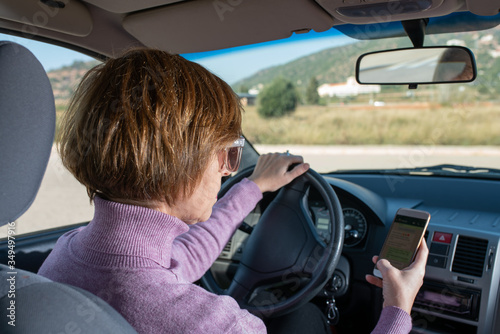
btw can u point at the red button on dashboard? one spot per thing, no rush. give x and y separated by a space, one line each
442 237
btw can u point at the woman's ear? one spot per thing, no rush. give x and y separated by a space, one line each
221 158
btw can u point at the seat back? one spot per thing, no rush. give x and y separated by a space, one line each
27 124
30 303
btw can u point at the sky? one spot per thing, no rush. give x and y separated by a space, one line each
242 63
51 57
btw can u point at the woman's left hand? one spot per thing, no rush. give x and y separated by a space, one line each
271 172
400 287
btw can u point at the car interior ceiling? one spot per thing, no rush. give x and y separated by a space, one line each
194 26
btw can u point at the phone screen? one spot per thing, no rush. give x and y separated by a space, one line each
403 240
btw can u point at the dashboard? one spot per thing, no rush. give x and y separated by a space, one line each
356 225
460 292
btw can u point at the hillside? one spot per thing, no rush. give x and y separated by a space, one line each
334 65
65 79
328 66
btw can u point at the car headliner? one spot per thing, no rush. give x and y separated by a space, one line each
108 27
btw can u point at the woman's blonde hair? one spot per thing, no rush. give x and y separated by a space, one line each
143 127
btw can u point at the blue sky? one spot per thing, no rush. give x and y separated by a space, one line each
243 61
51 57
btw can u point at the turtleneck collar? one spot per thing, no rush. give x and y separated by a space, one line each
128 235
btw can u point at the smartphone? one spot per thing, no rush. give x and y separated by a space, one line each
404 238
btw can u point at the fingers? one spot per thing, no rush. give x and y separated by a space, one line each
423 252
399 287
278 161
374 280
272 170
298 170
289 160
284 159
420 260
384 266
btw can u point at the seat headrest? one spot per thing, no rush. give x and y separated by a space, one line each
27 125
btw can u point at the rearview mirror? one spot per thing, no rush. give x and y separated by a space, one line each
427 65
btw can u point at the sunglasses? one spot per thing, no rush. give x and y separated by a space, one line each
232 158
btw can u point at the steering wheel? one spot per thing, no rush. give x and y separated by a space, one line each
284 250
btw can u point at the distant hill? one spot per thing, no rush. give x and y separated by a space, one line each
332 65
336 64
65 79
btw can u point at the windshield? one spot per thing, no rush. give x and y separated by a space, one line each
337 124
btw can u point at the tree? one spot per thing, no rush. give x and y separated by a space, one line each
312 96
278 99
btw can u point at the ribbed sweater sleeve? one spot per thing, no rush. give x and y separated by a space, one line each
393 320
195 251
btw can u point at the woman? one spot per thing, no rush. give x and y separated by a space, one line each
150 135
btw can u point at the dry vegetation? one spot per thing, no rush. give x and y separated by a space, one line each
398 124
392 124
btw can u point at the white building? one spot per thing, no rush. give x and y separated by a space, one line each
455 42
349 88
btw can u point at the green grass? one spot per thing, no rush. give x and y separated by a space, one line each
403 124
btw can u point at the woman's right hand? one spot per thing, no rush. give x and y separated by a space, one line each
272 170
400 287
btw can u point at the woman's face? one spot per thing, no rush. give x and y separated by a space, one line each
198 207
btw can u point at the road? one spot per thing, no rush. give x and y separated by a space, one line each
329 158
63 201
400 66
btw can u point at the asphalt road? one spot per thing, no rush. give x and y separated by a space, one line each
63 201
330 158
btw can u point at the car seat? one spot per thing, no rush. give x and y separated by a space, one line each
32 303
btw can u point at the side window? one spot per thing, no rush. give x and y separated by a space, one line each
61 199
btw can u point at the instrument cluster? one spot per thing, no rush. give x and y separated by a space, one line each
355 223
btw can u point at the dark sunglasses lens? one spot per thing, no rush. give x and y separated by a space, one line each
233 158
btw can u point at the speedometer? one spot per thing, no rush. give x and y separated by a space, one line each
355 226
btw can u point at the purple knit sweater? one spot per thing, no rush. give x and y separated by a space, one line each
143 262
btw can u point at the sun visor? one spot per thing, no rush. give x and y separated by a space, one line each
69 17
128 6
198 26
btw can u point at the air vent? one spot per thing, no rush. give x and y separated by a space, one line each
469 256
